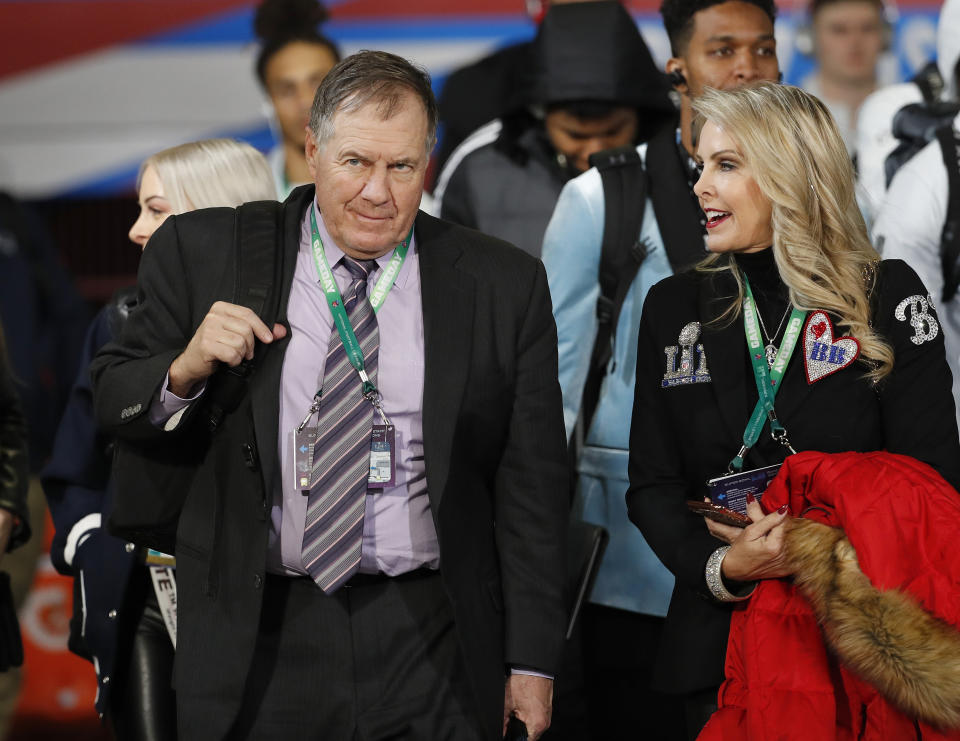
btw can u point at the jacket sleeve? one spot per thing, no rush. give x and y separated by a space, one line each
919 416
531 495
571 256
456 200
76 477
14 462
127 373
659 488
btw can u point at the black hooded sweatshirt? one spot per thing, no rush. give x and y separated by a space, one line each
505 179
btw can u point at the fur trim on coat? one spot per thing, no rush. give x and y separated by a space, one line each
885 637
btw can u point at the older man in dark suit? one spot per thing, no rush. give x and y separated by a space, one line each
371 544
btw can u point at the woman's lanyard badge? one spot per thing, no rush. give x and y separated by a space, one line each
731 489
383 459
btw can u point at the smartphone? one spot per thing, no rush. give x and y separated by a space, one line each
718 514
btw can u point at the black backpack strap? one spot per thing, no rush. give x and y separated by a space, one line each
624 194
930 82
950 237
259 273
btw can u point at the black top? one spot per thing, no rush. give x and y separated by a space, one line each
769 291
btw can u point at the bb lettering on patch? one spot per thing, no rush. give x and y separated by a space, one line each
822 354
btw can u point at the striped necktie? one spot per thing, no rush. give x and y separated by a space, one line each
333 528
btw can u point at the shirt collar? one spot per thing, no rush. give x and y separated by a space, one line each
334 254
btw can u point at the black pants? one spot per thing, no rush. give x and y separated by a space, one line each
142 702
619 650
375 661
698 707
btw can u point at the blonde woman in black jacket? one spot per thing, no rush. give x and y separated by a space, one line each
793 301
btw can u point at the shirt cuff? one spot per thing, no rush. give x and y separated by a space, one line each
529 672
167 408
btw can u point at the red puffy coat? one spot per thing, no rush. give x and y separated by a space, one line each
863 642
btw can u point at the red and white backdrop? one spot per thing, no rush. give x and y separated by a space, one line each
88 88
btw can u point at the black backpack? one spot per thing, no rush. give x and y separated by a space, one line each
916 125
950 236
624 181
625 190
150 484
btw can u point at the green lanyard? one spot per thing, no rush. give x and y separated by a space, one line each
339 313
768 379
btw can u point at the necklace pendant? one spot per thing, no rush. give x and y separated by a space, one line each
771 355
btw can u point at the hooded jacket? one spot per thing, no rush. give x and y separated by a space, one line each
863 643
506 178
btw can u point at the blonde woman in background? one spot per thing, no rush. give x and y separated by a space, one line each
118 621
794 300
203 174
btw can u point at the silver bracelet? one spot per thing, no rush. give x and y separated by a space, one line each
715 578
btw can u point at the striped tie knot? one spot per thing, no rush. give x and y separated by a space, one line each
359 270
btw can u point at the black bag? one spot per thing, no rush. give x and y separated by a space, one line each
950 236
151 482
915 126
624 181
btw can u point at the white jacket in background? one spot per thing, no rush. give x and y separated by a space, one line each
908 226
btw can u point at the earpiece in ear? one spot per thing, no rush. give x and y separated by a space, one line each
677 78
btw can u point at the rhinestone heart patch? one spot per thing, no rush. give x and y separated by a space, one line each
822 354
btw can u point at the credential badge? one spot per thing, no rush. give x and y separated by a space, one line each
925 327
692 367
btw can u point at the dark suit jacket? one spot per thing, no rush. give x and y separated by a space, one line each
493 446
684 435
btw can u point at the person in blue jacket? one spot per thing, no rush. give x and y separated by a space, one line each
719 44
124 612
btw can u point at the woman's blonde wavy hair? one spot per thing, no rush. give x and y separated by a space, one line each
820 243
211 172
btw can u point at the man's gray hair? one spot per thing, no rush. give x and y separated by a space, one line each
371 77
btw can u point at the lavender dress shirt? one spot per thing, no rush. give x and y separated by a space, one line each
398 530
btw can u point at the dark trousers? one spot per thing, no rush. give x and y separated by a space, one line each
377 660
619 651
698 707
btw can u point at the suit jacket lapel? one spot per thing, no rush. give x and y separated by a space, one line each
265 392
725 345
448 308
677 216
